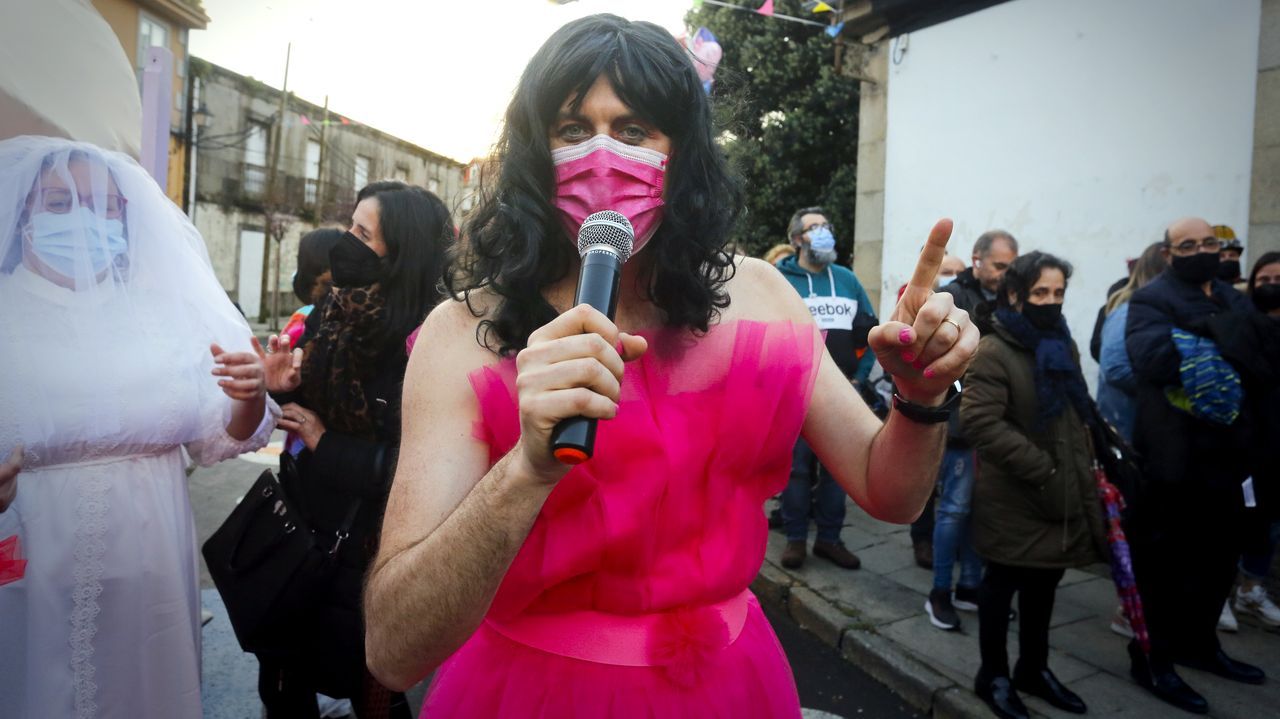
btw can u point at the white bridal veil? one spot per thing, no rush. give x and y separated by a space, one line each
108 306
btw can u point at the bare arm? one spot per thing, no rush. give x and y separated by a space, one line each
889 469
453 526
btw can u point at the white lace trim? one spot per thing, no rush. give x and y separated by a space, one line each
91 525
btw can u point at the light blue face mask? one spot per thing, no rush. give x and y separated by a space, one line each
63 241
821 239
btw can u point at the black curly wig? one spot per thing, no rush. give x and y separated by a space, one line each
514 244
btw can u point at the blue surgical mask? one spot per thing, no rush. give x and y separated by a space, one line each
821 239
62 241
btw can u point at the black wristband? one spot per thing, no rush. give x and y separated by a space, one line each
921 414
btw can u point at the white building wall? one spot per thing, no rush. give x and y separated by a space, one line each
220 227
1082 127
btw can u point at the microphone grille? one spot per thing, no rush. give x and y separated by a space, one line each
607 228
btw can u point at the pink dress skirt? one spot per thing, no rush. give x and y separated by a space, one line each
629 597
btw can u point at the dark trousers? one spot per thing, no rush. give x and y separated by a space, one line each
1035 588
289 693
1185 540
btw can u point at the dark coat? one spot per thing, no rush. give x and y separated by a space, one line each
328 637
968 296
343 468
1177 447
967 292
1035 500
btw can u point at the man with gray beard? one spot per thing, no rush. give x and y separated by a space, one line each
843 312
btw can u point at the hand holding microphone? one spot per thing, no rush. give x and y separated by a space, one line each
570 374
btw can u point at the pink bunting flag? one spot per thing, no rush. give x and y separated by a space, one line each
305 121
766 8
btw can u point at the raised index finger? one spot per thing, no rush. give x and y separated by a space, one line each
935 250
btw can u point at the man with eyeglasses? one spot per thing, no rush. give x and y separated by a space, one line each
1201 366
843 311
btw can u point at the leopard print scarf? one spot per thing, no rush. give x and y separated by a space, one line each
343 353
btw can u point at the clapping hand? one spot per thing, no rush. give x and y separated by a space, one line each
927 343
243 374
283 364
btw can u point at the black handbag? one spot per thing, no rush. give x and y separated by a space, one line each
267 563
1120 461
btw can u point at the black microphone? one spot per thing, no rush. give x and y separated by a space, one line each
604 242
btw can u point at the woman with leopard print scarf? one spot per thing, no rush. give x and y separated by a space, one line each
340 392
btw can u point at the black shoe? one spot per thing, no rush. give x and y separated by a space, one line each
1164 683
941 614
965 599
998 693
1045 685
1224 666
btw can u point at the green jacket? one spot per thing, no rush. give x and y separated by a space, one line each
1035 499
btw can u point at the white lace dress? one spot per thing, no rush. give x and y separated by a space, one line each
105 622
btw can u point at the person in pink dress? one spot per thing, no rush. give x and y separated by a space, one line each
618 587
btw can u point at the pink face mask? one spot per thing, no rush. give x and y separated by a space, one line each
605 174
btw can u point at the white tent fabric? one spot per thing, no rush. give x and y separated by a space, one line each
75 80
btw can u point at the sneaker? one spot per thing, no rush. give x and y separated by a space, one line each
793 555
206 616
1120 623
837 553
941 613
1227 621
1256 602
923 551
965 599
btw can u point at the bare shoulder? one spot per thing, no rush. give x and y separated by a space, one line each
450 336
758 291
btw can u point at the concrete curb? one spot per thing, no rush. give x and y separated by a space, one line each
887 661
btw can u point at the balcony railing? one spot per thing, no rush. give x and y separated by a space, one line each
248 186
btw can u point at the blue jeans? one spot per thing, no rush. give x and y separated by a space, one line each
951 537
811 486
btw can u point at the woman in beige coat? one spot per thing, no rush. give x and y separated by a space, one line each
1035 506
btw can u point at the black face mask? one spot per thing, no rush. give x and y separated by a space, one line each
1229 270
353 264
1266 297
1196 269
1042 317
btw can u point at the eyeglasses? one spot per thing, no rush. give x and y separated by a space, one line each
60 201
1208 244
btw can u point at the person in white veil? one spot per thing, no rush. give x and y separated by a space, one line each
119 349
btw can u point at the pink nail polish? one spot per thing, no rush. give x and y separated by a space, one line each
905 337
619 347
908 356
929 373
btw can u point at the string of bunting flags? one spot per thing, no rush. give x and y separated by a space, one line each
813 6
706 51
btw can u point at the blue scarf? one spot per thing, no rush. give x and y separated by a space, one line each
1057 374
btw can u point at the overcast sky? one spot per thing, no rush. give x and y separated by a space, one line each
438 73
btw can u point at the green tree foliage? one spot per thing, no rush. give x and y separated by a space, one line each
792 119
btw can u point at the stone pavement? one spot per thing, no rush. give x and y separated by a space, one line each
875 616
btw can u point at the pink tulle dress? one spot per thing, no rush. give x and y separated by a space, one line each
629 597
